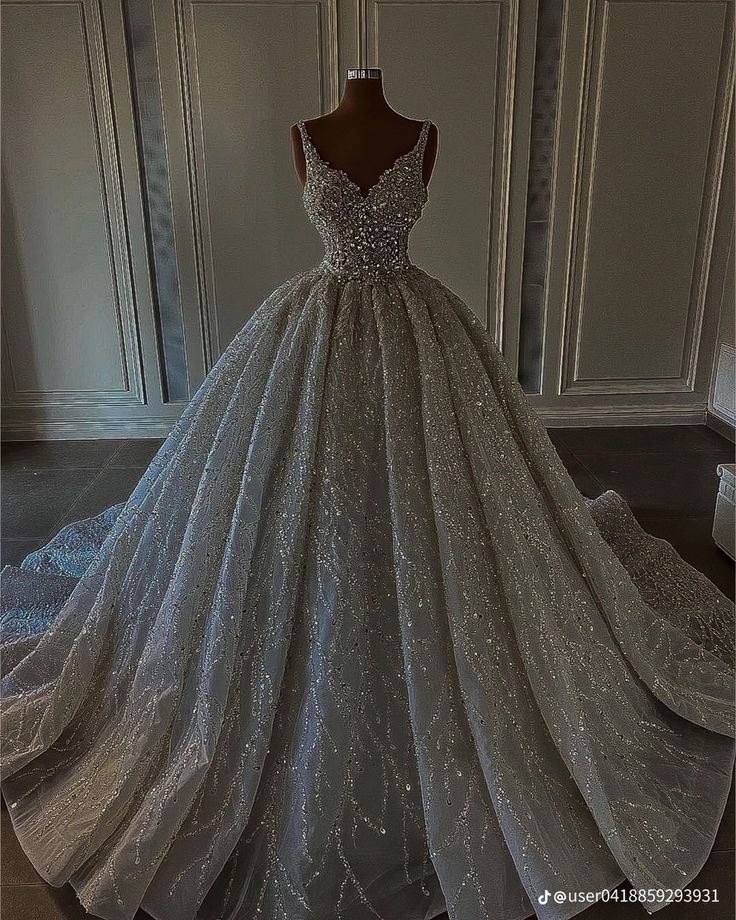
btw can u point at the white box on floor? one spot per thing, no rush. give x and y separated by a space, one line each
723 522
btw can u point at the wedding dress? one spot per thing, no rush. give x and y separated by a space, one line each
356 647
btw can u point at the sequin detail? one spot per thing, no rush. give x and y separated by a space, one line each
356 648
365 235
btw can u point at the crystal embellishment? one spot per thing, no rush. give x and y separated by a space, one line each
365 235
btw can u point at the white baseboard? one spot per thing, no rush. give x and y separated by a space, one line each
86 430
723 397
619 416
551 416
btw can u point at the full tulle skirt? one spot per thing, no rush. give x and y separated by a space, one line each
356 647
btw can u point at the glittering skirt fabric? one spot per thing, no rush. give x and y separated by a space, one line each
356 647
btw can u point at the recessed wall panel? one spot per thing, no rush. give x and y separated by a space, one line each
656 93
61 313
250 69
450 76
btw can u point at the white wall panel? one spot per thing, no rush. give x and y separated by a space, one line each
644 116
76 301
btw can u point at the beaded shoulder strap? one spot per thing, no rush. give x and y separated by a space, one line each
422 142
307 145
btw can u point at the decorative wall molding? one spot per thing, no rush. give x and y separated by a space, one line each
619 416
585 65
328 81
572 380
168 320
86 429
96 62
511 114
551 416
570 394
724 388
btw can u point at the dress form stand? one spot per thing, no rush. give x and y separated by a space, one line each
363 135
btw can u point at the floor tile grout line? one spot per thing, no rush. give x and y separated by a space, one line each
589 471
689 452
670 514
55 527
667 514
121 444
584 462
610 449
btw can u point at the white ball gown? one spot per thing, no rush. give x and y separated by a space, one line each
356 647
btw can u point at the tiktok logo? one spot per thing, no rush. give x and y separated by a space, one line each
544 898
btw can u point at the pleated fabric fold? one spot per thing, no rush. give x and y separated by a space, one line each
356 647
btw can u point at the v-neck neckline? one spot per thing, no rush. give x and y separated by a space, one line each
364 196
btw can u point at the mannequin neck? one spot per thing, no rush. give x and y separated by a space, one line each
364 92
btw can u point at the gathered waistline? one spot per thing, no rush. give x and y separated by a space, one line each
365 272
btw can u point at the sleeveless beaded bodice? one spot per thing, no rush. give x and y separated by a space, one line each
365 236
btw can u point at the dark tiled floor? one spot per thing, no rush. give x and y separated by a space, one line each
668 476
51 483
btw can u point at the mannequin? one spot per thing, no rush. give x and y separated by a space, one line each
363 136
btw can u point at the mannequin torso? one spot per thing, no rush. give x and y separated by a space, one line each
363 136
